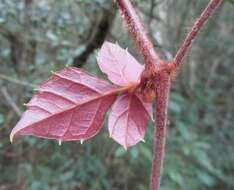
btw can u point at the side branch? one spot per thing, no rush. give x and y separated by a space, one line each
162 88
10 101
184 48
17 81
139 34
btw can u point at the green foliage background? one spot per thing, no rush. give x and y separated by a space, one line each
46 35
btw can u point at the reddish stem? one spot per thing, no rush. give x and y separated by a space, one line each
139 34
159 75
162 88
184 48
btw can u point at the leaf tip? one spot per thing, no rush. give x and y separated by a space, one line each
11 138
98 57
60 142
125 147
152 117
110 135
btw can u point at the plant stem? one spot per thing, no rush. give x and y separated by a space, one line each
198 25
139 34
162 88
161 83
161 77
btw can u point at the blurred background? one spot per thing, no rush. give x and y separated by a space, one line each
40 36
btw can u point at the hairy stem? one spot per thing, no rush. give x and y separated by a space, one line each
162 88
184 48
161 83
161 77
139 34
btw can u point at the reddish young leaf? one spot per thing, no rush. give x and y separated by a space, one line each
128 119
71 105
121 68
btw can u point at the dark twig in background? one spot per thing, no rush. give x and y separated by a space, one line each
97 37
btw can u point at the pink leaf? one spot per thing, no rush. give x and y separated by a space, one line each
70 105
128 119
121 68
